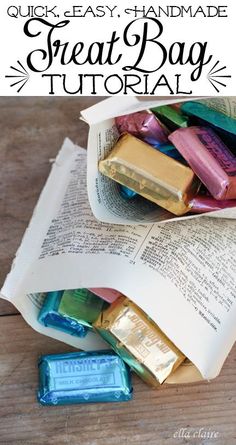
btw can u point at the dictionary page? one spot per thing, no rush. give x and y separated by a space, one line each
106 202
182 274
225 105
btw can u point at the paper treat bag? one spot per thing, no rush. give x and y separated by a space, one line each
106 202
181 274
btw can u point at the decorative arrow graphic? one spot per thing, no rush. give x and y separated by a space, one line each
215 74
21 78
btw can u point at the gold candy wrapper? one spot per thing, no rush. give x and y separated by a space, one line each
151 174
140 343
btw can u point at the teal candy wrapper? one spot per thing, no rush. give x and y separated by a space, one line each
223 125
83 377
50 317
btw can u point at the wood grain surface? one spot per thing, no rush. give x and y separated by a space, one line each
153 416
31 132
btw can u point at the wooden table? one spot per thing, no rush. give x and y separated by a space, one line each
32 130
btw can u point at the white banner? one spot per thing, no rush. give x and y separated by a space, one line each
121 48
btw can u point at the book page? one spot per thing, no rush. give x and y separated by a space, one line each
105 199
181 274
225 105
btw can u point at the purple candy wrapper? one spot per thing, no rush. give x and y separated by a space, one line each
144 125
209 158
204 204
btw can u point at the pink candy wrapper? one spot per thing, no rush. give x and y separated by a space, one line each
144 125
204 204
106 294
209 158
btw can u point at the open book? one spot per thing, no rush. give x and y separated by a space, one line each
106 202
182 274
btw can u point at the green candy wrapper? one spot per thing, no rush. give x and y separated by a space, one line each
171 117
82 305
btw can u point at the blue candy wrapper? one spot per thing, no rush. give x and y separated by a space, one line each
126 192
50 317
171 151
83 377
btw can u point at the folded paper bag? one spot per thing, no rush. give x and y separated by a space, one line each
106 202
24 279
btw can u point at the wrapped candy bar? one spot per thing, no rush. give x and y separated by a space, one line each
126 192
144 125
171 117
81 305
50 317
209 158
151 174
202 116
210 116
168 150
71 311
140 343
106 294
204 204
83 377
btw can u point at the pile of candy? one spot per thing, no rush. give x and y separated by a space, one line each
182 158
102 376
